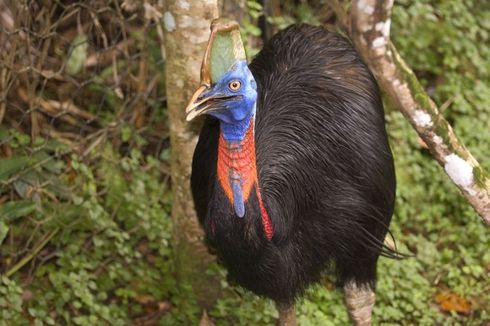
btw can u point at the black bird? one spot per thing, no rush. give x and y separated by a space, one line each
293 173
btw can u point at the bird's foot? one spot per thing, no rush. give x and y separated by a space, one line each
360 303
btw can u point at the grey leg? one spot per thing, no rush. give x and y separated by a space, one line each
287 315
360 303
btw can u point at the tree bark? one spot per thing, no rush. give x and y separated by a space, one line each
370 31
186 34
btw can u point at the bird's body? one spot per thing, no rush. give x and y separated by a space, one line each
312 166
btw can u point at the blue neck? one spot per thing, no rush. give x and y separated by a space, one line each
236 131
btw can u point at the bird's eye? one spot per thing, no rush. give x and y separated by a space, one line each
234 85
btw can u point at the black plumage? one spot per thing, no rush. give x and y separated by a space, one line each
325 168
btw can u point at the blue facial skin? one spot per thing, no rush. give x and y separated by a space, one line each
236 111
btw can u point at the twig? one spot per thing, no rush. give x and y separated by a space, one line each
342 15
62 137
446 104
33 254
104 57
57 109
370 31
140 110
94 144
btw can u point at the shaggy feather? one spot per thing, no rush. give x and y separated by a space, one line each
324 167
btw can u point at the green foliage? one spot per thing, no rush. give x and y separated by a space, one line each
300 12
429 221
111 251
85 240
78 54
249 28
10 302
446 44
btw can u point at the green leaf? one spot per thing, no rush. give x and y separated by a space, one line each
126 133
54 145
22 138
22 188
15 209
252 5
166 154
4 229
11 166
78 54
4 133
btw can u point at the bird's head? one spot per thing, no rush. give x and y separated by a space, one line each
230 99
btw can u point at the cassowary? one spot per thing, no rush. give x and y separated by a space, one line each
293 174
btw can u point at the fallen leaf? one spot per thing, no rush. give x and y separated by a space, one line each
451 302
27 295
328 285
144 299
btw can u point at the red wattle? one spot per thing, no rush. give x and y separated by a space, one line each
266 221
236 160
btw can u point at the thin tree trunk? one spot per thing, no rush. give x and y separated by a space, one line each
186 34
370 31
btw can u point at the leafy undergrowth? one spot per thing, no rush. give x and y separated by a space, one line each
95 250
107 259
85 238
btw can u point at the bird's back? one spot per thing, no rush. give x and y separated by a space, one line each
320 133
324 165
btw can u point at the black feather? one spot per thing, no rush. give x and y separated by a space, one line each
324 166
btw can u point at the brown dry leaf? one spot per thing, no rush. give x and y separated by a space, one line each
327 284
143 247
27 295
151 258
450 301
153 313
144 299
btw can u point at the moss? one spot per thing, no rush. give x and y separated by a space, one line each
480 177
442 130
441 126
420 96
414 85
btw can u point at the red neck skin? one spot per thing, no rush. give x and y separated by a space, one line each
237 175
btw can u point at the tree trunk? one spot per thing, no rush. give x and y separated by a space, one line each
186 34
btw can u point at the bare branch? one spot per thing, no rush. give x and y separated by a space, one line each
370 32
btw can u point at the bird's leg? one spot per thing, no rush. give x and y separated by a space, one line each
287 314
360 303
